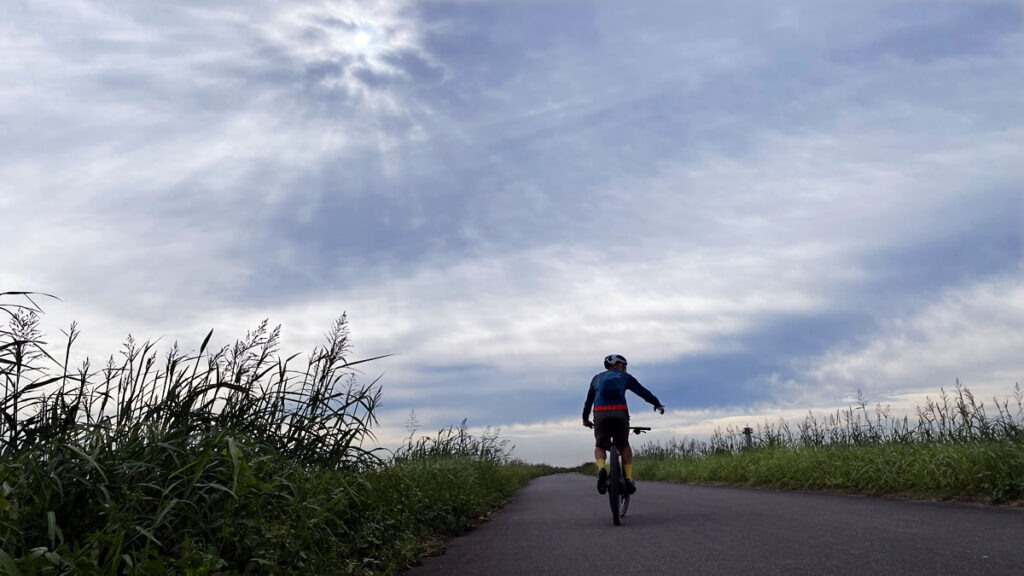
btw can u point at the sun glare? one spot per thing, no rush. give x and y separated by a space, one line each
363 39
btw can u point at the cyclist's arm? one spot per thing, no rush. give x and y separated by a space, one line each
590 401
638 389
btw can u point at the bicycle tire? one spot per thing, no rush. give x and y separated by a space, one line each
615 485
623 504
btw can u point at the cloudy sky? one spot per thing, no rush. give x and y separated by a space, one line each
765 206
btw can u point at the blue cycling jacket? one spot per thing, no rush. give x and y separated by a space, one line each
608 392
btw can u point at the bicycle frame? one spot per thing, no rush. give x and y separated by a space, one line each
618 496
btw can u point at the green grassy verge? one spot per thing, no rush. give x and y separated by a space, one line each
226 461
985 471
956 449
236 510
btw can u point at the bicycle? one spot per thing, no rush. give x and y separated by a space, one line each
618 496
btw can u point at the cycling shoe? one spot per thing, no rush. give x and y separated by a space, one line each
630 486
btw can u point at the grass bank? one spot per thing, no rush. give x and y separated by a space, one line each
956 448
228 461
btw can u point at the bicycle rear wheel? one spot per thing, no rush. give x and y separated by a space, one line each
623 503
615 488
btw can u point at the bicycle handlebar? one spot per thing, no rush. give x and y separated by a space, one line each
636 429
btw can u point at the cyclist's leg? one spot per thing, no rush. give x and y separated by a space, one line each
618 429
600 457
602 442
627 464
627 452
621 437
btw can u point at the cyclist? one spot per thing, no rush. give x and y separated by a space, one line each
607 395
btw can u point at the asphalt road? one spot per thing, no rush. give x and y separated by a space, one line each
560 525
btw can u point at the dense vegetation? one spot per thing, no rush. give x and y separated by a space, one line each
955 448
227 461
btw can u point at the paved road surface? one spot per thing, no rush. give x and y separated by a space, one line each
560 525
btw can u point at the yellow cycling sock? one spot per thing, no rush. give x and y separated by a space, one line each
629 471
600 463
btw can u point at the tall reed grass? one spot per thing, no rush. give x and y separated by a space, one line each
318 415
219 461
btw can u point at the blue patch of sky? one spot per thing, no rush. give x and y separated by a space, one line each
479 393
930 32
490 45
740 374
973 239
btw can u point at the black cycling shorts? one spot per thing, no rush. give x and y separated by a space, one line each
611 426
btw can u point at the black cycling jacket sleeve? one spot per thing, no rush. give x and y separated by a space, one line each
638 388
590 401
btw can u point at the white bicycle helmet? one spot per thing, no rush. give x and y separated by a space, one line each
613 359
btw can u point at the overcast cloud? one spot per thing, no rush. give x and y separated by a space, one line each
766 207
